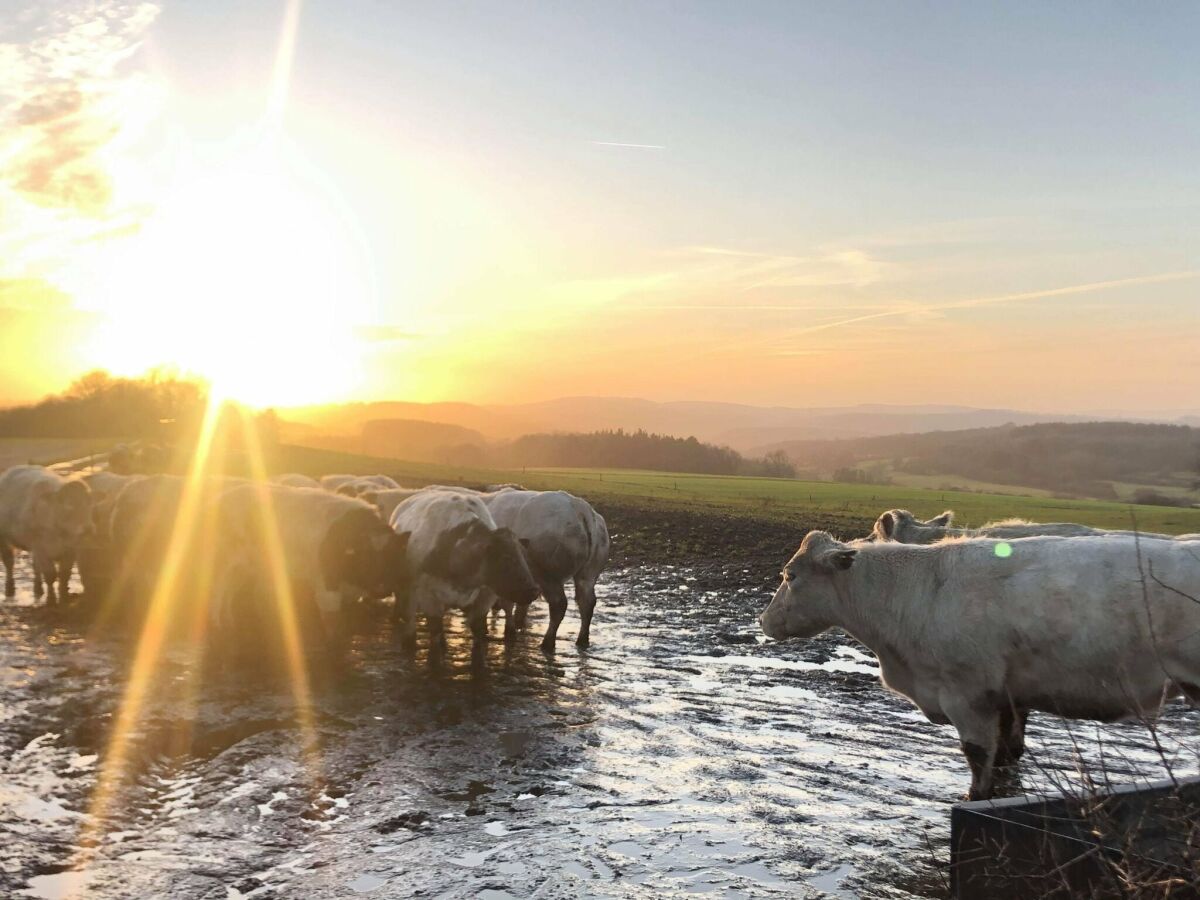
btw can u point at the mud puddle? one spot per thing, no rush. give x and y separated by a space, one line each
682 754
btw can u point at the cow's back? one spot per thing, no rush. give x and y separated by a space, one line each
20 488
431 513
563 535
1082 625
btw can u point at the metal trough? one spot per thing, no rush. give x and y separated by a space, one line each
1058 846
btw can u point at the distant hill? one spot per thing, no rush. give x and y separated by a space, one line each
410 439
1095 459
745 428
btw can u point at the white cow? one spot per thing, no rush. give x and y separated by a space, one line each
902 526
329 549
333 482
387 499
148 515
458 559
296 480
359 484
94 556
969 628
47 515
564 538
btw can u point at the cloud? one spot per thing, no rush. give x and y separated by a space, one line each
925 310
628 146
30 295
67 94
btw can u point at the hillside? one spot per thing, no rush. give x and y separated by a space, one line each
1108 460
743 427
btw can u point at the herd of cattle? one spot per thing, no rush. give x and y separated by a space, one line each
977 627
324 544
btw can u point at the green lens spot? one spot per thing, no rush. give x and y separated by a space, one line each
1003 550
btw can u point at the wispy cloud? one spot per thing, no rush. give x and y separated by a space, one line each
930 308
629 146
383 334
66 95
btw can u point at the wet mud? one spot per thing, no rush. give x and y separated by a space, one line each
683 753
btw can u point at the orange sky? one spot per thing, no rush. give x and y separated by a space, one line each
317 202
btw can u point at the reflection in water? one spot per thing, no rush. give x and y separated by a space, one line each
682 754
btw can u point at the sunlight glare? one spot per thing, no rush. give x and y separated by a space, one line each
246 276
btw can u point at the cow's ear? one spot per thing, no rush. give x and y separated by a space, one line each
840 559
943 520
886 524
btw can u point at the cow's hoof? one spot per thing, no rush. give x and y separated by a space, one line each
547 645
582 642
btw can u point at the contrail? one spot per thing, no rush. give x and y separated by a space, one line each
629 146
1005 298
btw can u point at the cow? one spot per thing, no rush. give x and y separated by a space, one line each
458 559
385 500
294 479
95 553
333 482
148 515
902 526
977 631
354 485
48 516
564 538
331 550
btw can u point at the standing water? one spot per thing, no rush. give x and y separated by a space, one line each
683 754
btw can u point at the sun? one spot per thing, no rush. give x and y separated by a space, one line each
247 274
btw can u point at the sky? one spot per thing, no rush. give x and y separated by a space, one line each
772 203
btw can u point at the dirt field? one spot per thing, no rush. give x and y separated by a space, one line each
682 754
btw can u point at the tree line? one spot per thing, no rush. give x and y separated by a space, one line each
1081 458
638 449
100 405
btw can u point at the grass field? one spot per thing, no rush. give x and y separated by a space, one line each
769 499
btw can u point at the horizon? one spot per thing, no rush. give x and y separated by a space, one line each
786 206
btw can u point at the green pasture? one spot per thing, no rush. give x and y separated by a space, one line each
772 499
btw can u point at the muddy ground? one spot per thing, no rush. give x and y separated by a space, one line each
681 754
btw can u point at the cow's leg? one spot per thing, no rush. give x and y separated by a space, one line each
978 725
522 611
585 601
510 627
477 620
514 620
44 573
1012 735
404 620
6 555
436 625
556 597
65 565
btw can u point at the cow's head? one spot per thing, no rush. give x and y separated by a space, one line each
359 549
508 571
71 512
806 601
903 527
